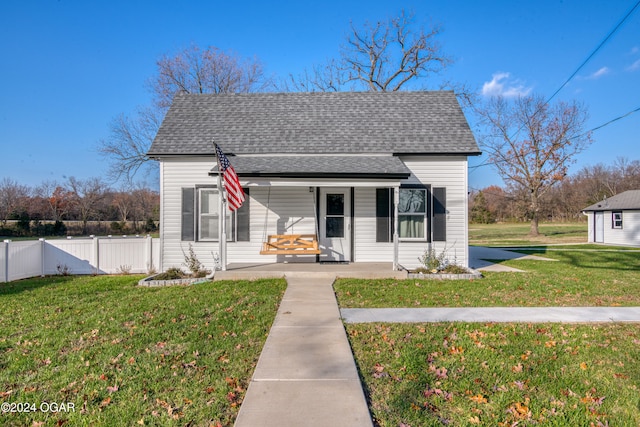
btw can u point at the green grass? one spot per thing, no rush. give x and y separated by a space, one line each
516 234
466 374
127 355
577 278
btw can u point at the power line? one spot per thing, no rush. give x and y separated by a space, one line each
600 45
611 33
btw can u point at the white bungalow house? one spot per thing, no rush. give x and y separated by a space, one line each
615 220
369 176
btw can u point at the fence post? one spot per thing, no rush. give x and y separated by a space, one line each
42 251
96 254
6 261
150 266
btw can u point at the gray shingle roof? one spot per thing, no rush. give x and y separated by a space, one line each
309 166
315 123
627 200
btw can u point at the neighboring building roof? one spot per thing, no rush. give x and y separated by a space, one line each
623 201
319 166
315 123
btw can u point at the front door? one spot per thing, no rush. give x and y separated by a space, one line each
599 227
335 224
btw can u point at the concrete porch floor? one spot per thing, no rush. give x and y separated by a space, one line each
364 270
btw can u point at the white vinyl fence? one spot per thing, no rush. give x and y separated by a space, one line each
96 255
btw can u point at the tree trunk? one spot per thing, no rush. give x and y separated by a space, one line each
535 207
533 231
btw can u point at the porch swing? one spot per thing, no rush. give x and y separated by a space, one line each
290 244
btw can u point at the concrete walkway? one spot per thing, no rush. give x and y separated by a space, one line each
493 314
306 374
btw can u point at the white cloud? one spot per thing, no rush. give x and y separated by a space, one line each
501 84
633 67
601 72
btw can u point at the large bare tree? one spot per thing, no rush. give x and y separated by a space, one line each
192 70
385 56
532 144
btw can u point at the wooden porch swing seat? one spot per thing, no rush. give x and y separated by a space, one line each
290 244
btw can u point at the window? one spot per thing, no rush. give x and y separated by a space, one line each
200 216
335 215
616 220
208 215
412 214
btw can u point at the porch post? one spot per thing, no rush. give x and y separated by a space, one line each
396 197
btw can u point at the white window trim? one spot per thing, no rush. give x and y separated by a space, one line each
424 215
231 218
614 216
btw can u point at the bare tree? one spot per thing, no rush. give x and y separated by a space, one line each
192 70
57 199
532 144
13 197
87 197
382 56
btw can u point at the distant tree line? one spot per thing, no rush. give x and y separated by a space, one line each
563 202
76 206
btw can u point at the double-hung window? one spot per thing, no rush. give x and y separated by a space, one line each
616 219
200 216
412 214
209 215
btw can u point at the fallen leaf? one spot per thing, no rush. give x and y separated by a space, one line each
105 402
474 420
478 398
583 366
112 389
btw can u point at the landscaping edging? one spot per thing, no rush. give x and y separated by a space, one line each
473 274
151 282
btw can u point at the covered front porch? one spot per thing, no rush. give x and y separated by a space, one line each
364 270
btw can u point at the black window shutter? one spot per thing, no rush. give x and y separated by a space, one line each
242 217
440 214
188 214
384 215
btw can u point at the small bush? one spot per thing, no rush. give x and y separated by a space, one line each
171 274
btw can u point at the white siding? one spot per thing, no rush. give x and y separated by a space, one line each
449 172
629 234
366 248
590 227
291 210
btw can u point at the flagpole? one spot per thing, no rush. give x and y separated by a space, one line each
222 213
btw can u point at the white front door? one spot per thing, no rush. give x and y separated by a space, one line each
335 224
599 227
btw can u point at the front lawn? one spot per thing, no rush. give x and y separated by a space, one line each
125 355
577 278
465 374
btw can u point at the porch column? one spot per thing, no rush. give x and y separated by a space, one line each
396 198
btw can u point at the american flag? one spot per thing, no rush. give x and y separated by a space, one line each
235 195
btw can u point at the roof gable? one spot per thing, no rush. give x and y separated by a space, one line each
315 123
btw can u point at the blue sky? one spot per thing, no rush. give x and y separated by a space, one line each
69 67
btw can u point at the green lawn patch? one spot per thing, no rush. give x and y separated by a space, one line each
515 234
577 278
466 374
128 355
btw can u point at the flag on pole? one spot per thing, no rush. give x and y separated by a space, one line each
235 195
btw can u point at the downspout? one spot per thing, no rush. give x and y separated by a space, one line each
396 245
